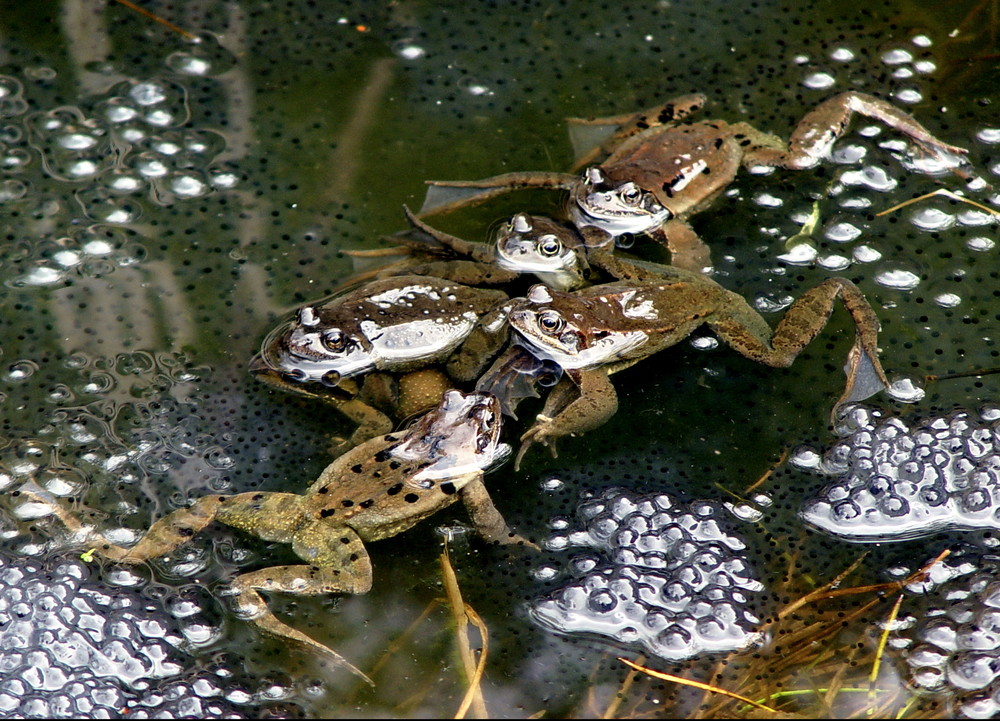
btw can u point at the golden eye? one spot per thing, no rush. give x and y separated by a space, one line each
549 246
334 341
550 322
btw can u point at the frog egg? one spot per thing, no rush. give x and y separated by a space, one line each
932 219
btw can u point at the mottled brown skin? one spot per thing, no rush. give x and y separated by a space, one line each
377 399
365 495
666 311
657 173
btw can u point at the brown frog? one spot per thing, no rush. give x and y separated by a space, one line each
597 331
377 345
374 491
553 251
658 173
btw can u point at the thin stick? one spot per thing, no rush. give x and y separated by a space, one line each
696 684
157 18
940 191
474 696
883 640
768 472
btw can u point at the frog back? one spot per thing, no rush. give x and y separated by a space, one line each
377 494
684 166
407 321
667 310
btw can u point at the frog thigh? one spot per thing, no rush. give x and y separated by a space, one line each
466 272
487 519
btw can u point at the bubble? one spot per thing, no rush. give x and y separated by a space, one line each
188 186
897 56
842 55
148 93
800 254
932 219
819 81
866 254
947 300
833 263
408 50
980 244
897 279
842 232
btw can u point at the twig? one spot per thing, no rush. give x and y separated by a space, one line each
612 708
462 614
157 18
696 684
940 191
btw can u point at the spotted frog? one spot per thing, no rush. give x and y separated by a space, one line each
366 349
376 490
658 172
594 332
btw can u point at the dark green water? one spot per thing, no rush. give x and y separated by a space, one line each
329 117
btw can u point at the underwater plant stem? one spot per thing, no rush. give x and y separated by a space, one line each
461 613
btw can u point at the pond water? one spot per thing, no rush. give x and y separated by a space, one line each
168 198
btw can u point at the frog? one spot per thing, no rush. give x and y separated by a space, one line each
405 337
552 250
375 491
597 331
658 172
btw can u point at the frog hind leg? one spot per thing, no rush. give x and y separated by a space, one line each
444 196
593 138
812 138
747 332
337 563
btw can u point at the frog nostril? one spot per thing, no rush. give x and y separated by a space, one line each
331 379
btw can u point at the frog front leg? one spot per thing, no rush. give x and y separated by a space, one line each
742 328
486 518
481 346
812 138
687 249
594 404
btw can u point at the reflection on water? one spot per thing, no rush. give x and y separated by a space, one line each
165 201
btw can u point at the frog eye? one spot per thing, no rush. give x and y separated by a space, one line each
550 322
549 245
630 194
334 341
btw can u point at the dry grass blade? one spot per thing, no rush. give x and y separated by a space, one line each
462 614
157 18
940 191
883 640
696 684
